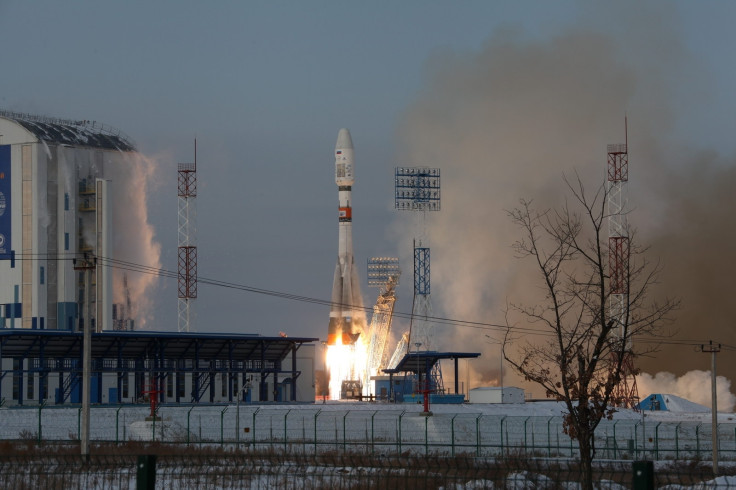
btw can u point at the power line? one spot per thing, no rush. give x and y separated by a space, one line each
160 272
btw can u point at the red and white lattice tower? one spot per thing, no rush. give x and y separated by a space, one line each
626 392
187 179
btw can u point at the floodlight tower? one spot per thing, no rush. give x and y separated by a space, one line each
418 189
187 178
618 264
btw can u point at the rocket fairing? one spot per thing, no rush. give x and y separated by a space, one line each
346 313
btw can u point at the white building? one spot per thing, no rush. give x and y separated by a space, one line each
494 394
55 178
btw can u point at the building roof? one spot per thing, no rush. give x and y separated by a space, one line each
84 133
26 343
423 361
670 403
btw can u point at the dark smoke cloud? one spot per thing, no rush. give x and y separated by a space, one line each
508 121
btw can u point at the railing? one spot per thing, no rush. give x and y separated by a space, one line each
617 148
390 430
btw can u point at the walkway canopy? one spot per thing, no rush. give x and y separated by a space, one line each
156 354
421 363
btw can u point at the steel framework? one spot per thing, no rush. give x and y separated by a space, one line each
626 392
187 189
382 272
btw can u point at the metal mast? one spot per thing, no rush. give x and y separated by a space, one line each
618 262
187 179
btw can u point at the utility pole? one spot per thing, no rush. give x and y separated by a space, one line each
87 266
713 349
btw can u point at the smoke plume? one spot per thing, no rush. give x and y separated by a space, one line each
694 386
506 122
134 237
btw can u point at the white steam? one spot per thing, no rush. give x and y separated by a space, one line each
134 237
507 121
694 386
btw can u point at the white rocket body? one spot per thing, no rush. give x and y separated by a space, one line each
347 317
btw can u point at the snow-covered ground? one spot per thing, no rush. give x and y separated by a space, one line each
486 430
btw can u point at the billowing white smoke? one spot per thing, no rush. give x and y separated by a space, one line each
694 386
134 237
506 122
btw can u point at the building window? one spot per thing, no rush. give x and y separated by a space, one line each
41 275
170 385
31 382
16 379
66 241
66 201
180 379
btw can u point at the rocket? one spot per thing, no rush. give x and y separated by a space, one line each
347 318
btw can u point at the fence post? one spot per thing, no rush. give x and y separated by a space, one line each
400 416
315 430
344 434
188 415
254 426
697 441
40 408
525 443
373 434
117 424
286 437
502 419
222 425
636 440
426 436
656 441
146 472
477 434
549 441
615 443
452 432
79 423
677 441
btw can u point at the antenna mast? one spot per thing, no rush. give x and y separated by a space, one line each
626 393
187 180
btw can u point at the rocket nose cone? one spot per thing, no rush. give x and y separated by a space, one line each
344 141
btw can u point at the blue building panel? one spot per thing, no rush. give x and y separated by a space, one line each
5 201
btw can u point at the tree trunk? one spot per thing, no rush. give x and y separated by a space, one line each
586 461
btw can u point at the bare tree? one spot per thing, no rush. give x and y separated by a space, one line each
578 358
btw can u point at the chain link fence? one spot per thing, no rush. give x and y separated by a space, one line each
385 431
268 469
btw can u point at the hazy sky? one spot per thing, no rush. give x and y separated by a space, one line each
265 86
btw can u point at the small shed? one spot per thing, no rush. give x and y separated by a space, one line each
495 394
